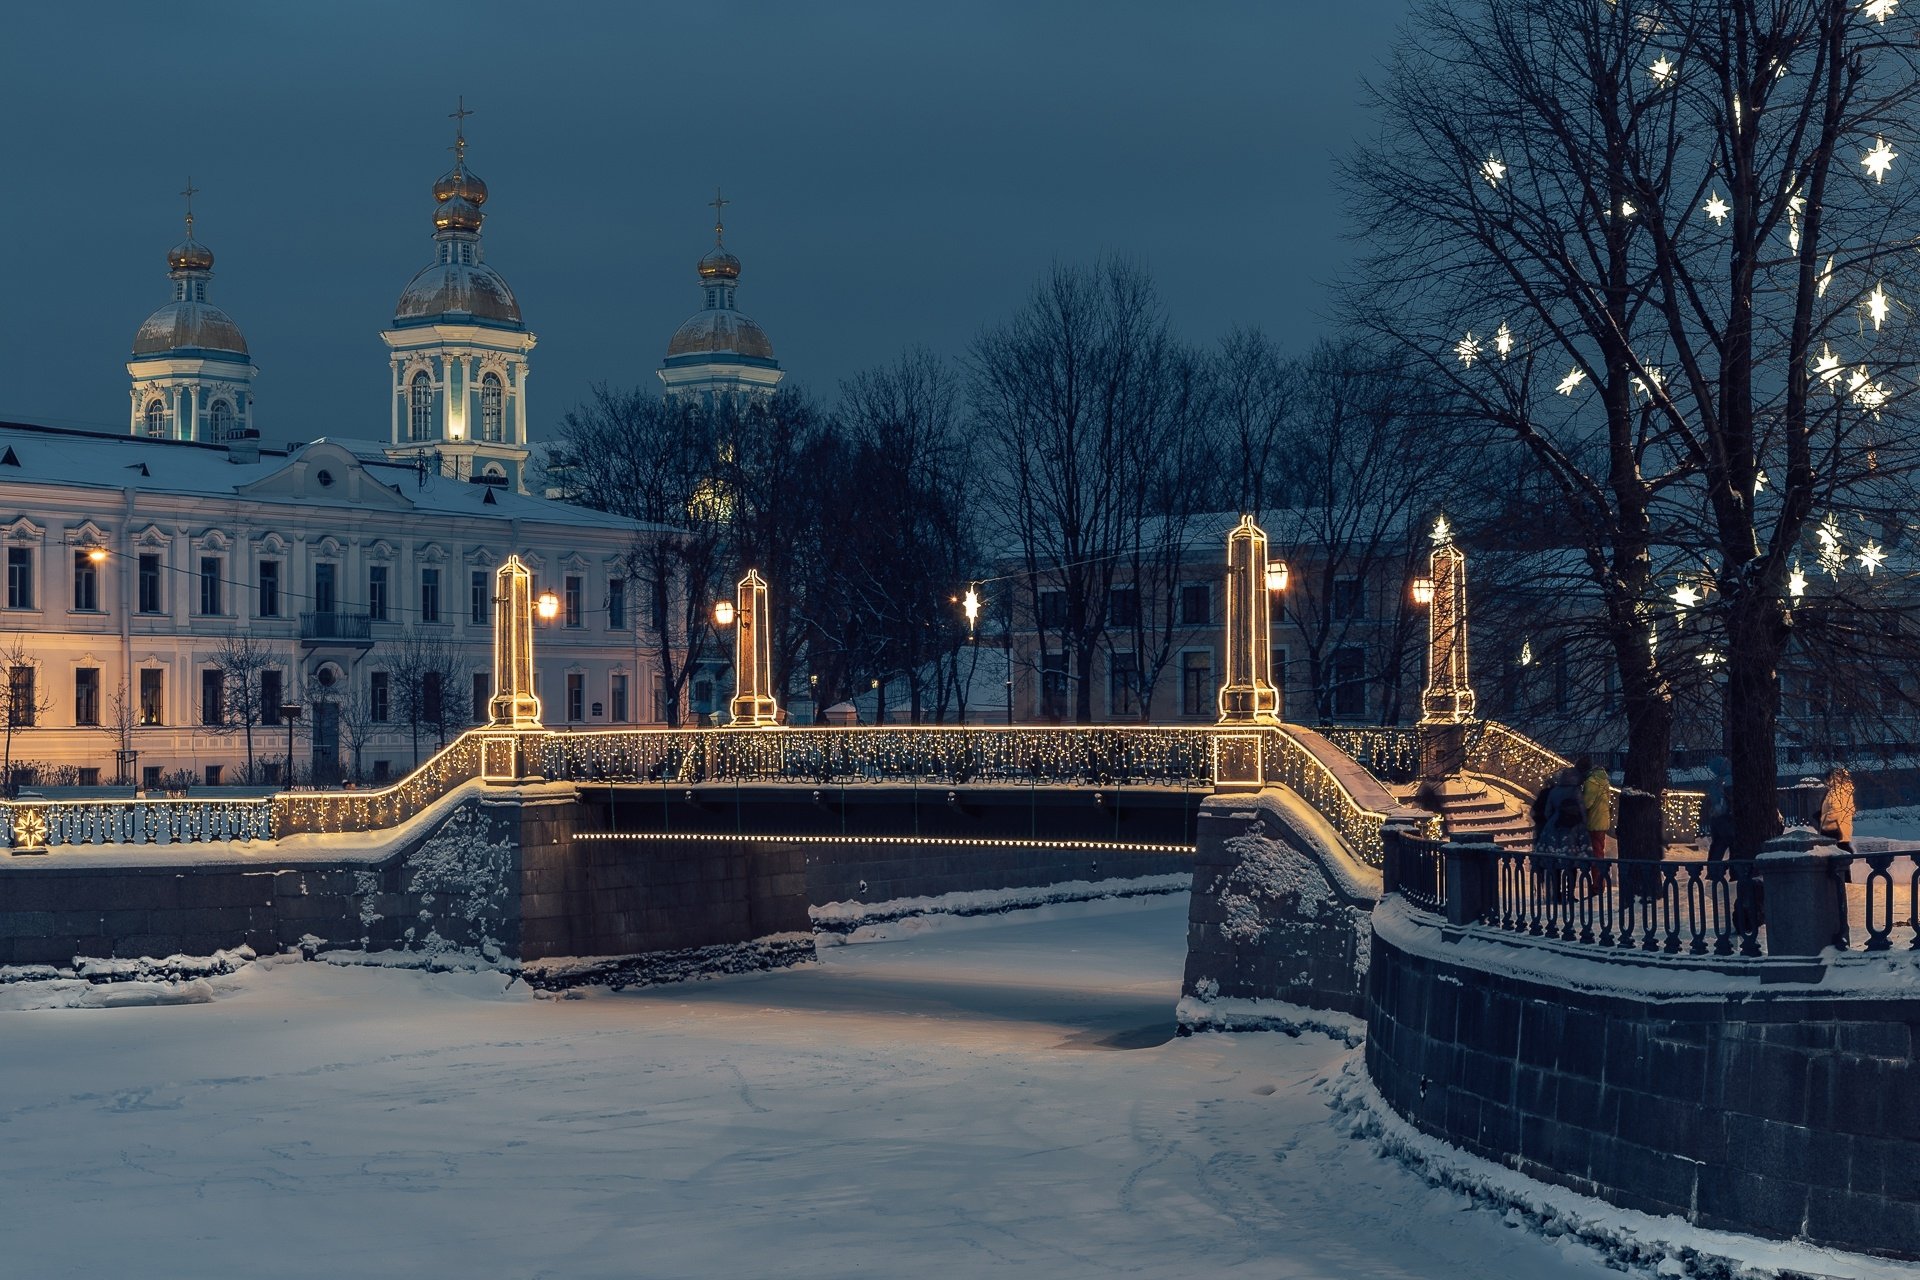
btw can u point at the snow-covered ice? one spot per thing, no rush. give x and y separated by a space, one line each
1000 1100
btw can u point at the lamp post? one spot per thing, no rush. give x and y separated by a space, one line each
290 712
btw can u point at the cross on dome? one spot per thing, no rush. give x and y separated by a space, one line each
718 204
459 116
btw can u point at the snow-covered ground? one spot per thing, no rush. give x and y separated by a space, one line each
1000 1100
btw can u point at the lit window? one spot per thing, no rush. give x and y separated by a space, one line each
157 419
420 407
490 401
19 577
220 420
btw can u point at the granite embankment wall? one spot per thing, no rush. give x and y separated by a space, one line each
683 874
1279 912
1778 1099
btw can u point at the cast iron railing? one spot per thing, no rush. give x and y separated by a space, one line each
1883 895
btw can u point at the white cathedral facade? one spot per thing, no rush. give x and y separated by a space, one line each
134 562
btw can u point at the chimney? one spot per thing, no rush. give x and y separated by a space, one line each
243 445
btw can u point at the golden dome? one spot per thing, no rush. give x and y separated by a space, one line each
720 332
187 325
719 264
462 182
457 214
457 290
190 255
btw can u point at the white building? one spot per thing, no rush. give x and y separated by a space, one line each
129 560
192 376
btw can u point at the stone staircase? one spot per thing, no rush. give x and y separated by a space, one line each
1477 808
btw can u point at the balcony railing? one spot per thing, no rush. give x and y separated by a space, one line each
336 628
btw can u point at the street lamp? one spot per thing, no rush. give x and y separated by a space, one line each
547 606
1277 575
1423 591
290 712
723 613
98 555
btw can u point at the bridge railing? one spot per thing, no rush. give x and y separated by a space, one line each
1347 796
34 823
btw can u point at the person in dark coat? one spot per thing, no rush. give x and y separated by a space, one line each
1718 815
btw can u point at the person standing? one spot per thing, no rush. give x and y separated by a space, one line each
1836 811
1719 812
1596 795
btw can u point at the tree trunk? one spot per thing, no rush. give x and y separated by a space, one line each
1755 639
1083 694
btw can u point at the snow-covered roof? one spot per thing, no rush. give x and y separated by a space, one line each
90 460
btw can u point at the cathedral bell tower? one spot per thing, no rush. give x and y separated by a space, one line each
192 377
459 347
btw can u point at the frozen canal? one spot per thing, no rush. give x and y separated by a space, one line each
998 1100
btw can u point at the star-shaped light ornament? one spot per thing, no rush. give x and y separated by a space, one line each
1526 653
1879 160
1686 597
1796 205
1871 557
1877 305
1627 209
1468 349
1654 378
1826 365
1825 278
1759 482
1442 532
1871 396
1574 378
1879 10
1796 582
1503 340
1493 170
1830 555
1662 72
1717 209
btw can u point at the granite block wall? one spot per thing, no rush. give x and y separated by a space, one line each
1785 1114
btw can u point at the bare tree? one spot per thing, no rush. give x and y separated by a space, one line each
1058 393
26 702
117 721
357 726
1255 401
427 690
240 658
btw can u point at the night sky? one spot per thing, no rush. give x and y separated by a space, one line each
899 174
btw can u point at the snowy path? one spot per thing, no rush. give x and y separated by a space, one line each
1000 1100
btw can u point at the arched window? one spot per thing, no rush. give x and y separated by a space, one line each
157 419
490 424
220 420
420 407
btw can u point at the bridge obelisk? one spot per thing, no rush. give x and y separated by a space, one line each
1248 697
753 705
1446 706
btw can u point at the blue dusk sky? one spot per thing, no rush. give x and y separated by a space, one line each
899 174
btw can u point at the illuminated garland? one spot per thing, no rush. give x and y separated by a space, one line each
842 838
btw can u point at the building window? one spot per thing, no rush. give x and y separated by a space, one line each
576 697
89 776
619 699
1196 605
1053 685
325 598
1053 610
269 588
1348 601
1123 607
429 595
213 774
420 407
19 577
490 400
272 696
152 696
377 593
1196 682
150 777
156 419
1349 683
379 697
570 596
482 697
616 604
23 708
86 584
86 695
210 586
212 697
150 584
220 420
479 597
1123 678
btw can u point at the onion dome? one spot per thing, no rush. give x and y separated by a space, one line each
462 182
190 255
719 264
457 214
